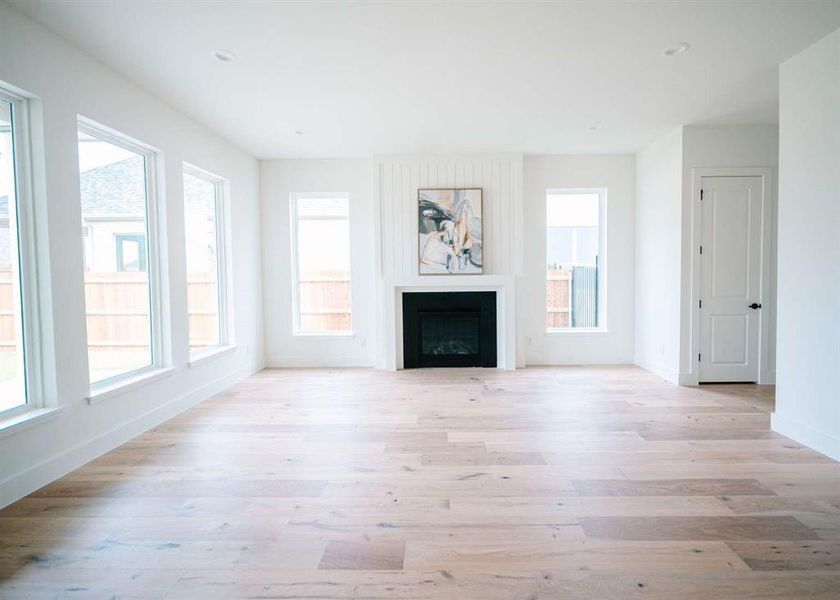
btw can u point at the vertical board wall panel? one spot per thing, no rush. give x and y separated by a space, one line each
397 181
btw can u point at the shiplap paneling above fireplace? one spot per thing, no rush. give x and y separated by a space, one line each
396 181
395 184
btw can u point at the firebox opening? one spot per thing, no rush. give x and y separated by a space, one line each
449 329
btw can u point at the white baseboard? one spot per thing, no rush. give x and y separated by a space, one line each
550 361
820 441
21 484
662 371
319 361
687 379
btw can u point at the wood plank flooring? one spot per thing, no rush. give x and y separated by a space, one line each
572 482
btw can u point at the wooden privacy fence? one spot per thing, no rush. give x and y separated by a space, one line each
558 298
118 310
8 326
325 302
572 297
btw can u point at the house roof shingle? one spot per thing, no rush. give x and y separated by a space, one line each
114 190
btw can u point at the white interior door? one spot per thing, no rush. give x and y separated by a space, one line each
730 292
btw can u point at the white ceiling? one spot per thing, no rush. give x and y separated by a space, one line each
362 78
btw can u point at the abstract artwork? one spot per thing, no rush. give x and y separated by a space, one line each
449 231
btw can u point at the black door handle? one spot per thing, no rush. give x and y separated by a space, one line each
754 305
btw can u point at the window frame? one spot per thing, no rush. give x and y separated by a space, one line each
293 225
33 343
602 261
220 187
159 338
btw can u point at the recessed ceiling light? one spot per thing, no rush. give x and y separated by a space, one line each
224 55
676 49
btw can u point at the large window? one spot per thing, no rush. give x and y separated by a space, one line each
321 263
15 344
574 259
118 224
203 212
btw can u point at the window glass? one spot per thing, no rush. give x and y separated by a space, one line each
12 353
573 248
114 195
201 200
322 255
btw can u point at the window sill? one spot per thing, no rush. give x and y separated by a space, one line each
99 394
27 419
576 331
325 334
203 357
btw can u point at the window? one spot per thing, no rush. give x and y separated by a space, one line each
203 212
118 224
574 258
131 252
321 263
17 293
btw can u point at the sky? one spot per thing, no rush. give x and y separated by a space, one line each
572 210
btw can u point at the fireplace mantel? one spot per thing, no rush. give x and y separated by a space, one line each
391 328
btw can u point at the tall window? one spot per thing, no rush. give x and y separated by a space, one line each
574 258
205 260
14 342
117 195
321 263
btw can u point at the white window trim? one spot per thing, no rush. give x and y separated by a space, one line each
221 187
208 354
602 267
130 381
18 422
158 298
39 404
293 226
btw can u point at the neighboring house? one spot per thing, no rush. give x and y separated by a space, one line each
113 225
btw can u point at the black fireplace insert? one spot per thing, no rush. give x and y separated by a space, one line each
449 329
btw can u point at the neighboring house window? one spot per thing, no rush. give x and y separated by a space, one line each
131 252
574 258
206 280
20 386
121 288
321 263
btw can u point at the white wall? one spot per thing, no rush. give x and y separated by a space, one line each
384 193
68 83
659 181
807 375
617 174
726 146
665 244
279 179
383 199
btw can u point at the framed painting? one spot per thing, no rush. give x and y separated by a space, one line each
449 231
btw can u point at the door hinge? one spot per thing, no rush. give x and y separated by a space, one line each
698 357
701 249
701 194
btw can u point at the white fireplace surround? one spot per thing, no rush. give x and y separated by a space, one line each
392 324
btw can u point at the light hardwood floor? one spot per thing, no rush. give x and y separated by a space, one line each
542 483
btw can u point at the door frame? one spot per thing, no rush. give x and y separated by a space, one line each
767 217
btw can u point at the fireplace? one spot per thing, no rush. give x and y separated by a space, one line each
449 329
